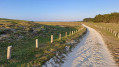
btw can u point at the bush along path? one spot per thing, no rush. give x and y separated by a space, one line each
33 46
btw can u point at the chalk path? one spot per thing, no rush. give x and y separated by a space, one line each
90 52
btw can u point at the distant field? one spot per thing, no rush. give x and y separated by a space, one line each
61 23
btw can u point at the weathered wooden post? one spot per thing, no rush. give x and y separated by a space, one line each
72 32
51 38
66 34
59 36
118 35
9 52
36 43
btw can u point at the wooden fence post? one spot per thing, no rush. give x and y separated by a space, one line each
51 38
9 52
36 43
72 32
60 36
118 35
66 34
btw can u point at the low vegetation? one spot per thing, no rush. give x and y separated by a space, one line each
22 34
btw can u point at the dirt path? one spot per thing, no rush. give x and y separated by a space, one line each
90 52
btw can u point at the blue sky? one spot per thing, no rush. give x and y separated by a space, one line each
56 10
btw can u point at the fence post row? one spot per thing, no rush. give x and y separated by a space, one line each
9 52
116 34
70 33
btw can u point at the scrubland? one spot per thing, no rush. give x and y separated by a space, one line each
21 35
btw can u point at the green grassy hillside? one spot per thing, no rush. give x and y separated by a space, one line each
21 35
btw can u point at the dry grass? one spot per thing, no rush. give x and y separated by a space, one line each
61 23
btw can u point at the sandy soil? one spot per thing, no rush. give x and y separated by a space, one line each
90 52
